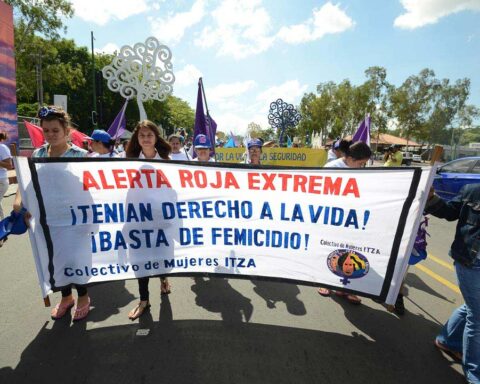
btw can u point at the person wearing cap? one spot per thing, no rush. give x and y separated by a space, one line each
178 152
254 148
202 147
102 144
14 224
393 157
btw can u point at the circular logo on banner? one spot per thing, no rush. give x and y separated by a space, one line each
348 264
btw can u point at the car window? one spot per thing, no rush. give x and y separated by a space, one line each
460 166
476 168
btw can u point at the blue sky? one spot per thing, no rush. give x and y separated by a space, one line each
251 52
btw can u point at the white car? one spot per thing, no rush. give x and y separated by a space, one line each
417 158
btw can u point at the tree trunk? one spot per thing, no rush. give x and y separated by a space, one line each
141 109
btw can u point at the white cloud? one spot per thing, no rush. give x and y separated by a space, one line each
108 48
290 91
187 76
171 30
232 122
240 28
101 12
226 92
328 19
423 12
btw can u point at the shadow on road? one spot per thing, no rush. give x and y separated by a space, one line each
414 281
107 299
273 293
199 351
215 294
407 344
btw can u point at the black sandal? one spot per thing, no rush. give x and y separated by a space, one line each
136 312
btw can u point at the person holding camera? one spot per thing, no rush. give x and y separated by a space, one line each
393 157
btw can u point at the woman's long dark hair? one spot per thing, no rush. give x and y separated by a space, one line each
358 151
134 148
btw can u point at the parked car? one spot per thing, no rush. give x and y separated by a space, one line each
417 158
407 158
452 176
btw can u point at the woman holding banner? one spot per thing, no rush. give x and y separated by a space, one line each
146 143
55 123
356 156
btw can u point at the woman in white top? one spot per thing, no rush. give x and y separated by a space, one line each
356 156
146 143
102 144
5 165
178 151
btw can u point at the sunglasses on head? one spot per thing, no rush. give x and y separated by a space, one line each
48 111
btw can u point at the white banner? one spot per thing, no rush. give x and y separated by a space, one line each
110 219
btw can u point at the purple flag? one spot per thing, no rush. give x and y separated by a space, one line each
363 131
119 125
204 124
200 121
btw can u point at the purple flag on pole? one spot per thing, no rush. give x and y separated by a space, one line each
200 121
119 125
204 125
363 131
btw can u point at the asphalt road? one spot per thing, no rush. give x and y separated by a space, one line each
227 331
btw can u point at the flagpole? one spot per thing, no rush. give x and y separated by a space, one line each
212 139
204 98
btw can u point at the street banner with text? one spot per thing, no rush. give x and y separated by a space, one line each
97 220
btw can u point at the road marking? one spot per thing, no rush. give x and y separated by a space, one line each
441 262
439 278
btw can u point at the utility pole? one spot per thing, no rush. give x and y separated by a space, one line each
94 110
39 77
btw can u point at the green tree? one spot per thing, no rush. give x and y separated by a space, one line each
412 103
181 115
254 130
42 17
378 106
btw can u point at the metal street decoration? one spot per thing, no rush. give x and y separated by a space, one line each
282 116
144 71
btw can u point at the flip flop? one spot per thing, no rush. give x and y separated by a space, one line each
350 297
353 299
325 292
61 310
82 312
136 312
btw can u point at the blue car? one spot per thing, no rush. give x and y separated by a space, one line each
452 176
